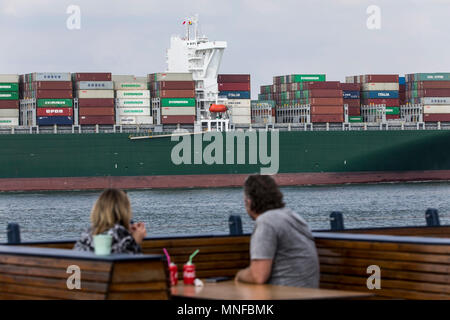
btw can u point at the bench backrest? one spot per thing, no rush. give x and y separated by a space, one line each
42 273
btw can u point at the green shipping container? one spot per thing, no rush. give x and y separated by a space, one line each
355 119
392 110
432 77
9 95
178 102
9 87
307 77
54 103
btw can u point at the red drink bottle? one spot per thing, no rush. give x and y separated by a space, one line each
173 269
189 273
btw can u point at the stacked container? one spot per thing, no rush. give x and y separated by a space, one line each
236 88
176 94
132 101
95 93
326 101
432 90
53 96
9 100
377 89
402 90
351 92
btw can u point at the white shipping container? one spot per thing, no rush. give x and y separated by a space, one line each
100 94
380 86
241 119
349 79
178 111
51 76
9 121
241 111
135 120
9 78
97 85
436 108
123 78
132 103
173 76
9 113
238 103
142 80
132 94
436 100
130 86
134 111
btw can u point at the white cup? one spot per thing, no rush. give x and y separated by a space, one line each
102 244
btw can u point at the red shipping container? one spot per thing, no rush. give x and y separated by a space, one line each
226 78
92 76
9 104
354 111
387 102
234 86
351 86
53 94
435 117
52 85
327 118
336 85
324 93
434 93
326 101
352 102
93 111
177 94
64 112
177 119
93 102
174 85
392 116
380 78
433 84
327 110
96 120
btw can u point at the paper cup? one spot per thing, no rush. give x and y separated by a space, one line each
102 244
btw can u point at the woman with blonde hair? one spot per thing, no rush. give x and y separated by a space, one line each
111 215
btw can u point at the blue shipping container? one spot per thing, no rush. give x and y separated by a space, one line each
401 80
380 94
235 94
350 94
49 121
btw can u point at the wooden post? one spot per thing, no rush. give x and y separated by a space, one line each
235 223
13 233
432 217
336 221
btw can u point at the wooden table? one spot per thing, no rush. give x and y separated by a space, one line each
229 290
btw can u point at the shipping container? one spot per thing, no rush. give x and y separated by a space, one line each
8 78
326 110
432 85
181 111
306 77
9 104
130 86
92 102
239 103
387 102
240 111
93 111
177 119
96 120
9 95
434 93
379 94
49 85
92 76
380 86
325 101
322 118
432 77
174 85
177 102
174 94
380 78
9 113
235 94
392 110
233 78
351 86
9 121
354 111
436 117
49 94
11 86
241 119
351 94
131 94
47 76
172 76
133 103
135 120
134 111
323 93
392 116
353 118
436 108
352 102
58 120
401 80
97 85
54 102
41 112
435 100
335 85
122 78
94 94
234 86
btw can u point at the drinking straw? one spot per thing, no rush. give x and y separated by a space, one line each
167 255
193 255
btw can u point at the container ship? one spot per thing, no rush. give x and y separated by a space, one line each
77 131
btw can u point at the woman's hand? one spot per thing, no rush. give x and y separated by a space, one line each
138 232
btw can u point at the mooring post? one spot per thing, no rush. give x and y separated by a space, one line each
432 217
235 223
337 221
13 233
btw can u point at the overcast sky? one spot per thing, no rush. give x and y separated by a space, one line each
265 37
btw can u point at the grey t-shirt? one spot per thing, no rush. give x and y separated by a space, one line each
282 235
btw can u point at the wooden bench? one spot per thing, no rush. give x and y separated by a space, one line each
41 273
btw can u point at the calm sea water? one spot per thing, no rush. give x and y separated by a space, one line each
63 215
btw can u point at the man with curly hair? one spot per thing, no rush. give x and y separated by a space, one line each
282 248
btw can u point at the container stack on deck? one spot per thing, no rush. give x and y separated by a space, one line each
236 88
378 89
402 91
351 93
132 101
53 94
176 92
326 101
95 93
432 90
9 100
